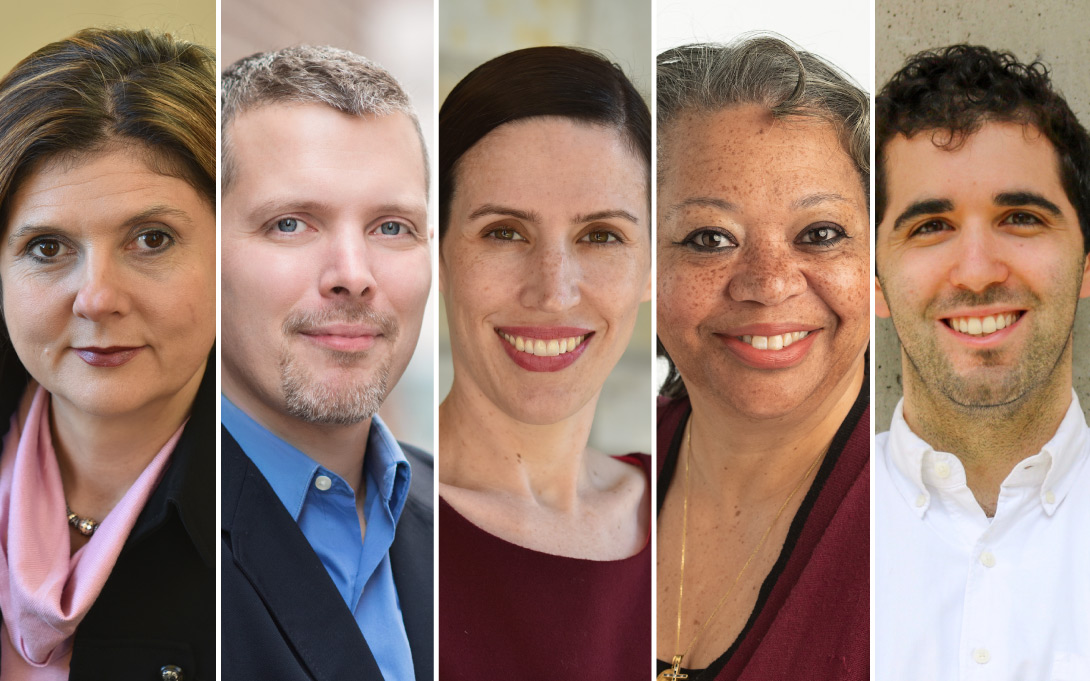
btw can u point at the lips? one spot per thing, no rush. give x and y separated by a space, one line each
770 346
983 325
107 357
342 337
544 348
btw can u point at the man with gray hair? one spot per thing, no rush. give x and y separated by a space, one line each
327 549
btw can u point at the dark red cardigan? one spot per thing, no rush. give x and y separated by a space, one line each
812 617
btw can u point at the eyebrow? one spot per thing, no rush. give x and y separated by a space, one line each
923 207
701 201
818 199
1015 199
280 205
533 216
149 213
607 215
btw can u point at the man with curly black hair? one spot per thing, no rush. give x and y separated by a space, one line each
982 202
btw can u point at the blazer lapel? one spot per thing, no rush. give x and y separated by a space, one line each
412 559
272 552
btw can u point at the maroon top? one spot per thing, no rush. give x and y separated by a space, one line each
812 616
508 612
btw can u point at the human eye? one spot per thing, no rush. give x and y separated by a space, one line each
46 249
930 227
601 236
153 240
289 225
825 234
709 240
504 234
1022 219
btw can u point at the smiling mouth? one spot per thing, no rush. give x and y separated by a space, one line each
983 326
774 342
544 348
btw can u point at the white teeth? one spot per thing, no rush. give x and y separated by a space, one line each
543 348
982 326
775 342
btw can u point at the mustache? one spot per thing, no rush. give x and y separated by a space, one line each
301 321
990 296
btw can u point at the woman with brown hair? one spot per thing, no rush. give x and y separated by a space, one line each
107 268
544 258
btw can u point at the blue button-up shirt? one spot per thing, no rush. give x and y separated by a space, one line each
324 506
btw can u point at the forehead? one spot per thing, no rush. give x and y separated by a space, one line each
312 148
743 153
552 162
1000 157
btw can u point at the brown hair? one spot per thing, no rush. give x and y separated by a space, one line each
102 86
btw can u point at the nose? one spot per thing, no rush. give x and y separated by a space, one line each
346 268
767 274
552 278
979 260
102 291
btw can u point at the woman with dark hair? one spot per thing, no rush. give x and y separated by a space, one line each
107 269
545 250
764 311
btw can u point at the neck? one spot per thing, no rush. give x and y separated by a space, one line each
765 456
340 448
485 449
100 457
989 440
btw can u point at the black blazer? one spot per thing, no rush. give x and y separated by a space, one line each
158 606
282 615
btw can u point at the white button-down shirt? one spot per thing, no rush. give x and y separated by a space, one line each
961 596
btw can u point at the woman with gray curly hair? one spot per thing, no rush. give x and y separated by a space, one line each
764 317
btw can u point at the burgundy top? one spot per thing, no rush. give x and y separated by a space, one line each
508 612
812 616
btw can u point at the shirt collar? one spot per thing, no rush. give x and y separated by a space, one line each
1049 469
291 473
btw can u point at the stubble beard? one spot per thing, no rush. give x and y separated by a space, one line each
338 402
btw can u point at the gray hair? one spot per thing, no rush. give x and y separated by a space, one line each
337 78
768 71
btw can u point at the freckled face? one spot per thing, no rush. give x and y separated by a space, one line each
763 260
981 263
109 282
548 242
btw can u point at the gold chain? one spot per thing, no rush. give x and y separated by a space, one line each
684 531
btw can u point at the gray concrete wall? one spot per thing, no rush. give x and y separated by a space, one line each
1052 30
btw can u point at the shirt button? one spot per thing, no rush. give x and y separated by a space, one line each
921 500
171 672
942 469
323 482
1050 498
981 656
987 559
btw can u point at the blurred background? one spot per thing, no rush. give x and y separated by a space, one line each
399 36
1051 30
473 31
30 25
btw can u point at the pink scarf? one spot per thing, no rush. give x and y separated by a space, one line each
45 590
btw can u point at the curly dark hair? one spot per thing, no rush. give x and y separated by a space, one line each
955 90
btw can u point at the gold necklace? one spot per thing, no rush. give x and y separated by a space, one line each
674 672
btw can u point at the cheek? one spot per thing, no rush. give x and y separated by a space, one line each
405 277
689 293
845 286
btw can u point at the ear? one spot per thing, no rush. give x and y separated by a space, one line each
1084 292
881 307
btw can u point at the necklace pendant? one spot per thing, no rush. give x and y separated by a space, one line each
674 672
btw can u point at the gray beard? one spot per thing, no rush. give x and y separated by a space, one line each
312 401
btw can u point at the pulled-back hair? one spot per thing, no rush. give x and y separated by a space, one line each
102 86
953 91
766 71
309 74
537 81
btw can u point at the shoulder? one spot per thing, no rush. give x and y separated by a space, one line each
422 464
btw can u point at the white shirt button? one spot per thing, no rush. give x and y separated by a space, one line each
981 656
942 469
987 559
921 500
1050 498
323 482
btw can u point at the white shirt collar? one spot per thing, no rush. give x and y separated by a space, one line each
924 470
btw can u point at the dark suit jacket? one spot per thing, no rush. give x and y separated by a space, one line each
158 606
282 616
